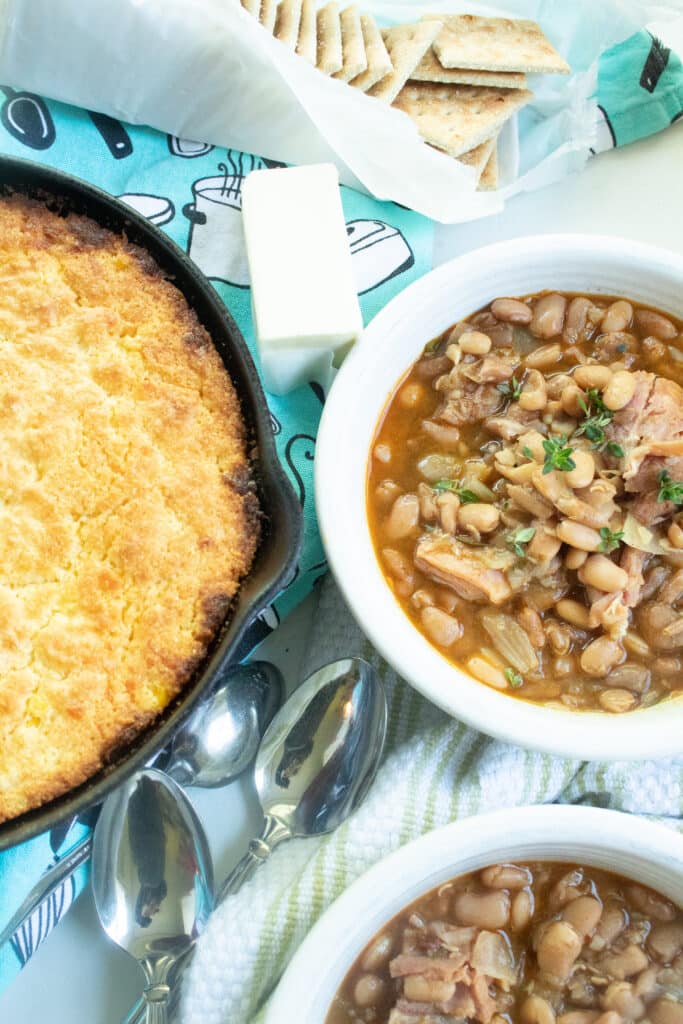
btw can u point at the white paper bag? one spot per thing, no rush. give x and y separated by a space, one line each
205 69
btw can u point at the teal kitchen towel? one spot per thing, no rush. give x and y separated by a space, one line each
192 191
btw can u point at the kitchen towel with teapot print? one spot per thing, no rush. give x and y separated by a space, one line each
193 192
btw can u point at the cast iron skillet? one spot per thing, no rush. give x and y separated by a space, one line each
282 530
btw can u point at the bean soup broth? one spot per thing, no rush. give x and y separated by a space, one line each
525 497
532 943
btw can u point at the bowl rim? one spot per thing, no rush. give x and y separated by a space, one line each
656 731
654 855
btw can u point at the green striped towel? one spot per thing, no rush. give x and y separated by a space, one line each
435 771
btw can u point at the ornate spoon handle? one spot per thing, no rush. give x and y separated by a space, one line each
272 834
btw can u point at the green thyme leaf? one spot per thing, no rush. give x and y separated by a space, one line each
466 496
615 449
670 490
527 452
512 388
521 536
596 417
513 678
610 541
557 455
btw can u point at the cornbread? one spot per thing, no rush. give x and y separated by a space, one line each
127 511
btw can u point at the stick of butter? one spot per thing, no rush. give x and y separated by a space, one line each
304 300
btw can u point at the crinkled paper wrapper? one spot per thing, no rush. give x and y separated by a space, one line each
204 69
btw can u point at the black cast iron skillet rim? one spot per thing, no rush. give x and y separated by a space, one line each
282 527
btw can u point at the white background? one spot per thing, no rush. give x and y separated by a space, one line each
637 193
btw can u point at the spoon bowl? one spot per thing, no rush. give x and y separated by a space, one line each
321 751
152 877
220 738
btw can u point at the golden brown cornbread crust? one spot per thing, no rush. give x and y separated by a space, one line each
127 516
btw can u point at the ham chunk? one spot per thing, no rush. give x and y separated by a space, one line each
650 429
474 573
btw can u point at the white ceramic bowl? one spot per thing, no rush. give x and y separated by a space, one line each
638 849
391 343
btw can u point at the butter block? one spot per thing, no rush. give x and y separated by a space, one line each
303 289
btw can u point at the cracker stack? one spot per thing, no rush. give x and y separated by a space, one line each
459 77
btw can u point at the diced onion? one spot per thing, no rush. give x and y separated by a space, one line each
636 535
510 640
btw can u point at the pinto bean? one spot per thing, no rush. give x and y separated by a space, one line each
665 1011
593 375
448 506
441 628
651 903
577 319
574 559
387 492
571 399
623 964
584 469
573 612
475 343
401 569
649 322
675 535
432 366
368 990
665 940
617 701
446 437
506 876
630 677
600 656
603 574
618 316
423 990
489 910
653 350
535 1010
521 910
620 390
533 396
532 624
404 517
485 672
480 516
544 545
620 997
548 316
511 311
557 950
583 915
610 926
559 637
411 395
545 356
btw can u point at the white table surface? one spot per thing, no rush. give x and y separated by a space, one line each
637 193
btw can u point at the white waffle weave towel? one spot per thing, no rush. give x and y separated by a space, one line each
435 770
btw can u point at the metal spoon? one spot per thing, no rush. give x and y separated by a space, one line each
221 737
317 759
215 745
152 878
